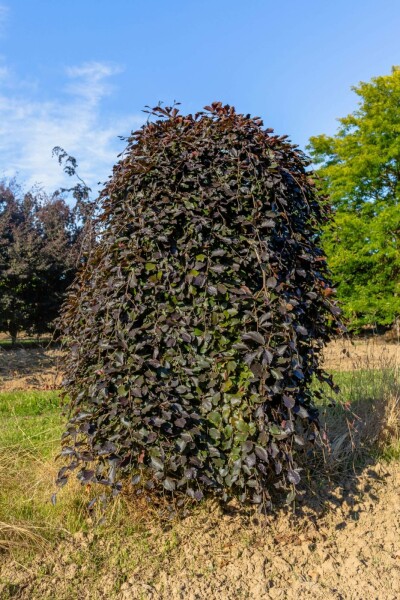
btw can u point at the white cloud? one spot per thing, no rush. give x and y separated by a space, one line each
90 80
29 129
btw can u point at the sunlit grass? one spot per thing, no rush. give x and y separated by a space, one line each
30 422
30 429
28 403
364 384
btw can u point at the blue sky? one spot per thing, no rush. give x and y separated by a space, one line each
78 73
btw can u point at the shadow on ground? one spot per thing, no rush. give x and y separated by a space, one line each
33 368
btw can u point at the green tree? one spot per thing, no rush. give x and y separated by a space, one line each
360 171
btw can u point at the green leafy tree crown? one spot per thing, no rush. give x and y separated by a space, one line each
360 171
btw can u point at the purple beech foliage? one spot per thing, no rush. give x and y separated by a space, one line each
195 328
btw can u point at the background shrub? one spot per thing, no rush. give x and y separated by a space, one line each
196 326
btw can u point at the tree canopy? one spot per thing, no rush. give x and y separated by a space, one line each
360 171
38 253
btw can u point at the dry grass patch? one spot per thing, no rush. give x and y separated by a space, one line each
363 422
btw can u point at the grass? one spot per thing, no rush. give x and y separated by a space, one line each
28 403
363 420
30 430
26 342
365 384
30 422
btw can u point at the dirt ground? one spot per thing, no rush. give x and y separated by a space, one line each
344 548
352 552
33 368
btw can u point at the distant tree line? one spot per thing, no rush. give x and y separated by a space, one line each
358 170
41 239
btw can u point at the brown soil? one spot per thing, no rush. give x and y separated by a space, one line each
346 548
33 368
351 552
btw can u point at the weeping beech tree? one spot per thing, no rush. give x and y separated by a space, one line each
196 326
